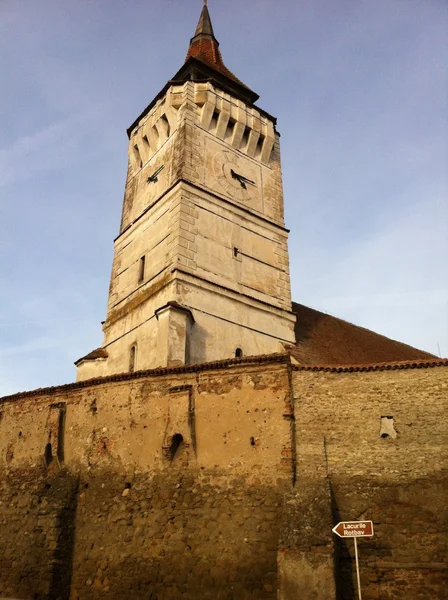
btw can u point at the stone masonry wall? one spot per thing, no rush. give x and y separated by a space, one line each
108 497
218 482
380 440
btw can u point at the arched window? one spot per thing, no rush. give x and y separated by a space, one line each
132 358
238 353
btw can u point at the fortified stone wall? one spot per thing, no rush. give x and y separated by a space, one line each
223 481
98 483
379 438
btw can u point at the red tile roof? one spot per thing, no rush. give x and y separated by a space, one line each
385 366
324 339
207 51
279 358
204 47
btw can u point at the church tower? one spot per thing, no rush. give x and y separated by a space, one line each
200 269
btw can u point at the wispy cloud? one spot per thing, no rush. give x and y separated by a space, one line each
55 147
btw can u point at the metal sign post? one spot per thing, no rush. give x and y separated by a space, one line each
354 529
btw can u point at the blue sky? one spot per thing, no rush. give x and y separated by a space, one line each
359 89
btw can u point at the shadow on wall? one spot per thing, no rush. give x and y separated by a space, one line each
196 578
342 572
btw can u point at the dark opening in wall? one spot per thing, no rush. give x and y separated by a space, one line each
214 121
141 270
137 156
48 454
235 252
259 145
245 138
252 441
176 441
230 129
238 353
132 358
61 434
168 128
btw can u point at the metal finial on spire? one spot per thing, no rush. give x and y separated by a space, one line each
205 25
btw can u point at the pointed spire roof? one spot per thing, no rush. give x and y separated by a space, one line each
204 63
205 26
204 52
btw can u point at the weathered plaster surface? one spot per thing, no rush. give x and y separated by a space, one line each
270 459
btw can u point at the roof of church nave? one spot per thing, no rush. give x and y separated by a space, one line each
324 339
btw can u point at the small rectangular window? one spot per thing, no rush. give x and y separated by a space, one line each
141 273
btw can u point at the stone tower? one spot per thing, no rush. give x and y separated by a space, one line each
200 269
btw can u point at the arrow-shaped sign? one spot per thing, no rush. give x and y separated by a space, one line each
354 529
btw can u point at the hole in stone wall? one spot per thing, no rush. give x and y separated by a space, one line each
61 434
387 429
214 121
259 145
176 442
137 156
20 434
127 485
132 358
230 129
252 441
245 138
93 408
48 454
235 252
141 269
168 128
238 353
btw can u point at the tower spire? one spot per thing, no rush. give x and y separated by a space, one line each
204 52
204 28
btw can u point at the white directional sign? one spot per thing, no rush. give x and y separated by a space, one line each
354 529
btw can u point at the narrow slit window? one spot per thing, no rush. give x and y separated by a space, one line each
61 432
146 142
141 270
48 455
238 353
230 129
176 443
168 128
137 156
214 121
245 138
259 145
132 358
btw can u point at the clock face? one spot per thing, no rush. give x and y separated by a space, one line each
237 177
